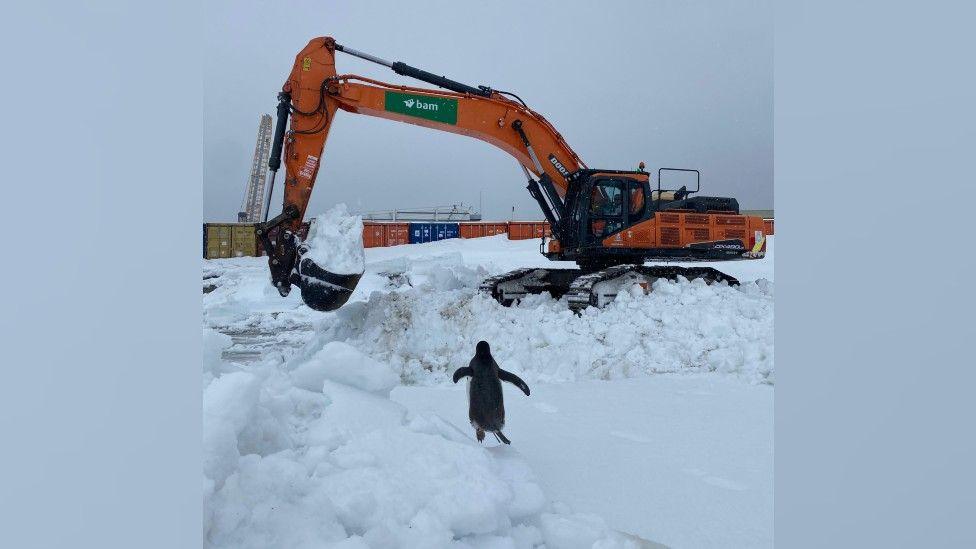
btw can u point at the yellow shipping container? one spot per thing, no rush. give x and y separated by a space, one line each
243 241
229 240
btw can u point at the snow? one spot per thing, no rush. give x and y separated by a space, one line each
335 241
652 416
685 460
424 331
285 466
342 363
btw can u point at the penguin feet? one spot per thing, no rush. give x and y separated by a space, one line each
480 433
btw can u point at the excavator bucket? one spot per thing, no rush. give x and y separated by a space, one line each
322 290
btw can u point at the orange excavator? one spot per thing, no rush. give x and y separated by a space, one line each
609 222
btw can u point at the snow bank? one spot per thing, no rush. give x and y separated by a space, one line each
335 241
429 327
312 453
344 364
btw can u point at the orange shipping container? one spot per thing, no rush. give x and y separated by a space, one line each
768 227
471 230
378 235
374 235
496 228
478 230
523 230
397 234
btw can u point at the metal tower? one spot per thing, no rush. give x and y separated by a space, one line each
253 205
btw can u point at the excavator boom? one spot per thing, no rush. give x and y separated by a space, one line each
316 91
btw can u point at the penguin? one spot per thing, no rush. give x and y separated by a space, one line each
486 408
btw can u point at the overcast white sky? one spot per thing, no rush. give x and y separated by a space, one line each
675 83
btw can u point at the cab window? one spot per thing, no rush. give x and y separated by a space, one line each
636 208
606 199
606 208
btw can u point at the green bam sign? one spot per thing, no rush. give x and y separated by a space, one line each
438 109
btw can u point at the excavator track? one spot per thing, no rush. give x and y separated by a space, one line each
586 291
509 287
490 285
594 289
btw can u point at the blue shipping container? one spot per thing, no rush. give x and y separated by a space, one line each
447 230
430 232
419 232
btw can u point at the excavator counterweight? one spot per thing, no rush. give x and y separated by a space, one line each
607 221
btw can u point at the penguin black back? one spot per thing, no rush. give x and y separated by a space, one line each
486 405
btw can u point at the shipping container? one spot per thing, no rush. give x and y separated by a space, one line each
430 232
397 234
444 231
522 230
229 240
419 233
377 235
768 227
374 235
478 230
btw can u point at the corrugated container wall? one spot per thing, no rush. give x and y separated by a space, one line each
374 235
431 232
229 240
378 235
522 230
478 230
239 239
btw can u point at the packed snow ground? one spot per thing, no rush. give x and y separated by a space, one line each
664 432
684 460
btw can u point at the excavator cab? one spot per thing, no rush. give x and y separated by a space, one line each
611 204
601 206
598 205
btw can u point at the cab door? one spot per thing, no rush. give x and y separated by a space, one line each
606 210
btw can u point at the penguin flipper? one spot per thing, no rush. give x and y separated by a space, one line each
462 372
515 380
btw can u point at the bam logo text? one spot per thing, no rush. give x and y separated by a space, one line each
418 104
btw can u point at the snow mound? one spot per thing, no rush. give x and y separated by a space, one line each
341 465
344 364
335 241
425 331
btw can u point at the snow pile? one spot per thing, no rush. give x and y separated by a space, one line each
313 453
428 328
335 241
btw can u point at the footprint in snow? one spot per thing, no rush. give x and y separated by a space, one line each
629 436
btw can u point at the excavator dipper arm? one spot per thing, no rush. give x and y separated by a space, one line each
312 95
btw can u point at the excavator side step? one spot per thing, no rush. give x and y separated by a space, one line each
592 289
